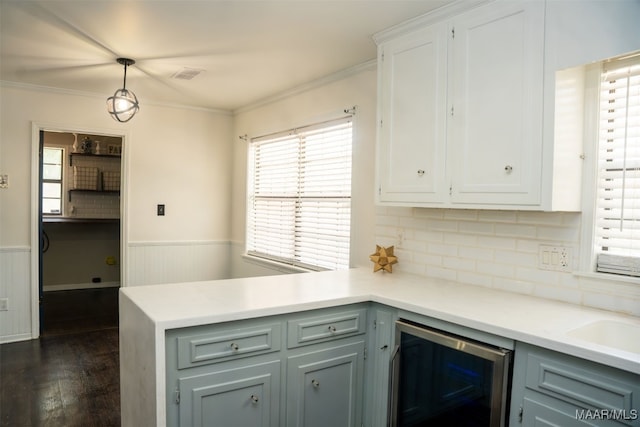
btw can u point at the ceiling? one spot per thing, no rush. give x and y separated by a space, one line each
247 50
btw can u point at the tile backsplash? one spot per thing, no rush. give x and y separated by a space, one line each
94 205
498 249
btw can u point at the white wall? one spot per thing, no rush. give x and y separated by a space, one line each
175 156
77 254
15 324
357 87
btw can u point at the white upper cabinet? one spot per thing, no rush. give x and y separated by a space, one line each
413 121
461 109
495 136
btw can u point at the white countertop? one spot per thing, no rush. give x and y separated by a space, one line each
519 317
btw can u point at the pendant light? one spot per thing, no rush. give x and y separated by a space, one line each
123 105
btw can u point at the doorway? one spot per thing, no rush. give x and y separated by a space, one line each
80 228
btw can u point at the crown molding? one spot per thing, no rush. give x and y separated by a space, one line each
429 18
330 78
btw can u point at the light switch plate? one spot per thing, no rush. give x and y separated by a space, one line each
4 181
557 258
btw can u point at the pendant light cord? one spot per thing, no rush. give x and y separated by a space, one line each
124 84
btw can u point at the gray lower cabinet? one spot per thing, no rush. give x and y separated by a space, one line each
330 367
554 389
324 387
304 369
236 397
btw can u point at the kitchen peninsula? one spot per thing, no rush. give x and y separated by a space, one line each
149 314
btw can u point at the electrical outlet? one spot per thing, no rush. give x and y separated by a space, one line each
160 210
4 181
400 240
556 258
4 304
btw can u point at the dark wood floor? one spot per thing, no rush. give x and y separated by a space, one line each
70 376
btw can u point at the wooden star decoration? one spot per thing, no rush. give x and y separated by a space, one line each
383 259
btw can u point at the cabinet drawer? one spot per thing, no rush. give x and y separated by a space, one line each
224 344
314 329
585 386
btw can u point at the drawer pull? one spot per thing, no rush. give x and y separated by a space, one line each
234 346
332 329
315 383
254 399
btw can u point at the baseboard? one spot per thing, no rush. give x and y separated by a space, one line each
15 338
73 286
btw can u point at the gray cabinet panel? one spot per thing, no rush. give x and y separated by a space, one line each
551 388
323 387
378 370
194 350
586 388
232 398
327 327
536 414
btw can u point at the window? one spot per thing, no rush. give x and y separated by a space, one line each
52 180
299 208
617 212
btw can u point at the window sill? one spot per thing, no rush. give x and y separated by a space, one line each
631 280
274 265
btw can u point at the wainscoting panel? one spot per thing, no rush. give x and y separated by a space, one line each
150 263
15 287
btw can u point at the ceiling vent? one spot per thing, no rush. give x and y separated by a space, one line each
186 73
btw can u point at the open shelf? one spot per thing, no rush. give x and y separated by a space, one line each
94 191
72 220
72 155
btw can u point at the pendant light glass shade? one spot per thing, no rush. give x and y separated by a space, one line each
123 105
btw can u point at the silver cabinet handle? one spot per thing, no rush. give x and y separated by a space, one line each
332 329
234 346
508 169
420 172
254 399
315 383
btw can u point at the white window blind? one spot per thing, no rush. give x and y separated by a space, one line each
617 234
299 208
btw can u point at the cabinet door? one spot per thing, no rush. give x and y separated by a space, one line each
496 87
411 146
324 388
238 397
